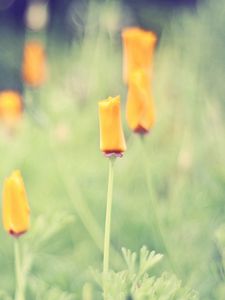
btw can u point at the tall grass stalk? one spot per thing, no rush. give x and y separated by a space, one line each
20 284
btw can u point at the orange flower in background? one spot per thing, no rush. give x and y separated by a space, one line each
138 50
140 112
15 209
34 64
11 106
112 140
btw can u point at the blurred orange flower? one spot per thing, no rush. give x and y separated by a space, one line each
11 106
34 64
138 49
15 210
112 141
140 112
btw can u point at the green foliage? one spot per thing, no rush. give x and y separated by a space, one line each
40 290
44 230
135 282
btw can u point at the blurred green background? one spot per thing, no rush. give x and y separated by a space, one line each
56 147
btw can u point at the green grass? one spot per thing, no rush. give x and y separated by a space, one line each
57 150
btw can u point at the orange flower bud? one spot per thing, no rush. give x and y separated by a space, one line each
15 210
140 111
11 106
34 64
138 49
112 141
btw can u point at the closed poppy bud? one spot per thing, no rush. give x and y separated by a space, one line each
138 49
11 106
15 210
34 64
140 112
112 141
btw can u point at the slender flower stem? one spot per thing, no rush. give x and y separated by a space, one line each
108 217
19 295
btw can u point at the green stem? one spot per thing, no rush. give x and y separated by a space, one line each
81 207
108 218
19 295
